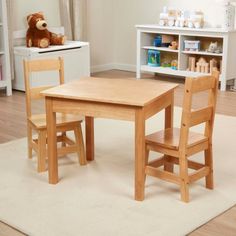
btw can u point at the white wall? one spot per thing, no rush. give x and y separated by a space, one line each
22 9
101 33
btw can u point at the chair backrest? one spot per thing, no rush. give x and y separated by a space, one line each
206 114
31 66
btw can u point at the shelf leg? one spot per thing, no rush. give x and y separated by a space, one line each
9 90
223 85
138 59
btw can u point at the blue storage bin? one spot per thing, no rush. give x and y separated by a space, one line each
154 58
157 41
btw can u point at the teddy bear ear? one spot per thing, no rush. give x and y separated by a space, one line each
29 18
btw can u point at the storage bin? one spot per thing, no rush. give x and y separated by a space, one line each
154 58
191 45
157 41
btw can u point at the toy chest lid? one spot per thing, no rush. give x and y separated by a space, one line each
25 51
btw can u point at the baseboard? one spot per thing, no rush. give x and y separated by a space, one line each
114 66
100 68
126 67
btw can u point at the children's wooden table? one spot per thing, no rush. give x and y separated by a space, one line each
124 99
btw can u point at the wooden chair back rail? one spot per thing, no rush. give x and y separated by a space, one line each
44 65
200 116
202 84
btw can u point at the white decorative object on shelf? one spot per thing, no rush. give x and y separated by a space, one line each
196 19
229 13
177 18
213 48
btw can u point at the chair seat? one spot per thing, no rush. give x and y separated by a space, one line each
39 120
169 138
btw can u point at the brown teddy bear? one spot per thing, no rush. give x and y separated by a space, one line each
37 34
174 45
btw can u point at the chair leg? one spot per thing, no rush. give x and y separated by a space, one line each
63 134
147 151
209 163
29 137
80 144
167 165
42 153
184 185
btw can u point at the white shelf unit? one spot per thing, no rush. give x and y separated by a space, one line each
226 39
5 81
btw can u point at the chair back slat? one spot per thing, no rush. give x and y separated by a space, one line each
31 66
202 84
44 65
35 92
200 116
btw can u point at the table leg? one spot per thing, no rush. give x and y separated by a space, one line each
139 154
89 129
52 142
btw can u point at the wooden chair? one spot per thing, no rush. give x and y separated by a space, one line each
37 122
178 145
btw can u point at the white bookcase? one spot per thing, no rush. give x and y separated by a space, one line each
226 39
5 81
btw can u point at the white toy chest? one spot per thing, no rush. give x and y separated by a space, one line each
76 63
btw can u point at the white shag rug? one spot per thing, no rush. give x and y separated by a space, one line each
97 199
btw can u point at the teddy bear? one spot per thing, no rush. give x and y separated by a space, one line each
213 48
38 35
174 45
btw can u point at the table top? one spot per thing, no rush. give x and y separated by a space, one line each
125 91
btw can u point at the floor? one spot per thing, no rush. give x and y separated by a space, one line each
13 126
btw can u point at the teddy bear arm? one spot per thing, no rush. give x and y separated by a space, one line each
29 39
29 42
56 39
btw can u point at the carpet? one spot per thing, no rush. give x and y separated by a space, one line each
97 199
